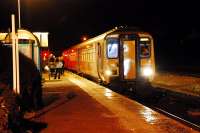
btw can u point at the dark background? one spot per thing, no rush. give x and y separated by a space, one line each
174 25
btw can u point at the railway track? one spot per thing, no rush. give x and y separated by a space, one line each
172 105
182 120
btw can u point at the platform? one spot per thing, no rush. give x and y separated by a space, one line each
77 105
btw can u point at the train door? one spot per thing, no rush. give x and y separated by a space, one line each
99 59
128 58
78 60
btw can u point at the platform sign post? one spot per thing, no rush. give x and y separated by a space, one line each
15 55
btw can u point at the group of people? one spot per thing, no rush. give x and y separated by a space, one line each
56 66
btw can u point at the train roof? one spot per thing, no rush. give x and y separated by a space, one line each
116 30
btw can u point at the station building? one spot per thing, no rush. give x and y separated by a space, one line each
30 43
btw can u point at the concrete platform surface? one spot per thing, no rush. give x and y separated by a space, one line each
76 105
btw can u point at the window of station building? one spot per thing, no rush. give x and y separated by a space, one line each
112 47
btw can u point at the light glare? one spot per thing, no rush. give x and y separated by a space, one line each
144 39
147 71
108 72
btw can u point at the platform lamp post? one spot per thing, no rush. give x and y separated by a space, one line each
15 47
15 55
15 52
19 13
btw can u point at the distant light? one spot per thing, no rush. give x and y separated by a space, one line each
84 38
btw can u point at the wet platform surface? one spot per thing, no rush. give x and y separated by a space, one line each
76 105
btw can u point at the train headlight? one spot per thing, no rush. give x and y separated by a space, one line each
108 72
147 71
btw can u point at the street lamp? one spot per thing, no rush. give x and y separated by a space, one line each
19 16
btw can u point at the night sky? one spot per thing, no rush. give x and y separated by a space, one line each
175 26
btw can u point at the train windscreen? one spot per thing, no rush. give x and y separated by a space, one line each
145 49
112 47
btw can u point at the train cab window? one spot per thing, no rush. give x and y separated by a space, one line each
145 50
112 47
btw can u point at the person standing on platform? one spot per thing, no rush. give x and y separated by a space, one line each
59 66
63 69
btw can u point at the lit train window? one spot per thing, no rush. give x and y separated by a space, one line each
112 47
145 50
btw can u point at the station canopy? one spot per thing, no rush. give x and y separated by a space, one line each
39 39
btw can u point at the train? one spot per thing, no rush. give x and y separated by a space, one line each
122 57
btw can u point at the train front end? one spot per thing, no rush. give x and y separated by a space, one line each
146 57
130 59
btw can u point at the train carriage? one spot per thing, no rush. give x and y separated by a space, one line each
121 56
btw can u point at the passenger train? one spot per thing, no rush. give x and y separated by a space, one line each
122 57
